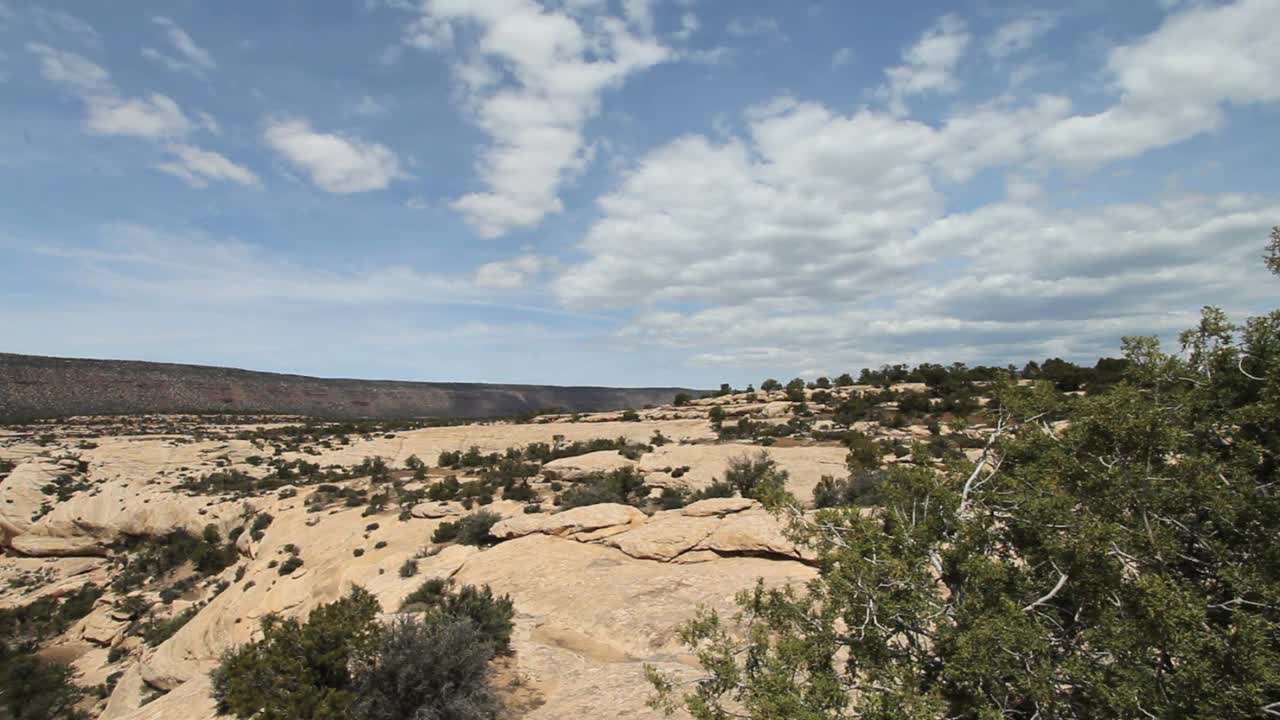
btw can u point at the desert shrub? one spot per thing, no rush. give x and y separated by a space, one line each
861 489
672 498
32 688
490 614
716 489
630 416
409 568
261 522
291 563
754 475
157 631
298 670
471 529
682 399
26 626
623 485
520 492
426 667
158 557
532 508
864 453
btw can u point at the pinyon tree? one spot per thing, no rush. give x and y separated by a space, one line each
1124 563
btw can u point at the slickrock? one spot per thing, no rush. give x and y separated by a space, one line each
718 507
575 520
578 466
43 546
437 509
22 495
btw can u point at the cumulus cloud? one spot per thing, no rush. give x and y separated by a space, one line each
1019 34
335 163
1174 82
531 77
153 117
929 64
817 237
513 273
190 58
197 167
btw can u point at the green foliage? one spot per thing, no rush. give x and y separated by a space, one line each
23 628
716 489
426 668
861 489
770 385
795 390
156 632
300 671
755 476
624 485
32 688
682 399
1123 567
491 615
471 529
673 498
158 557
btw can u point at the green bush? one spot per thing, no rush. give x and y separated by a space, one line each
32 688
491 615
472 529
300 671
624 485
429 668
753 476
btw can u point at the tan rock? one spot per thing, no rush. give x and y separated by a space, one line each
718 507
579 466
575 520
100 626
753 532
437 509
43 546
666 538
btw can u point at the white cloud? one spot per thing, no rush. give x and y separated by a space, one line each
193 58
1019 34
197 167
531 79
929 64
57 22
1173 82
510 274
755 26
689 25
369 106
154 116
335 163
818 238
841 58
71 70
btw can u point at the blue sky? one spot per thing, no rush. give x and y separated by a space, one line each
629 192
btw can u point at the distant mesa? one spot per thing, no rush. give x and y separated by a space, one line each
36 387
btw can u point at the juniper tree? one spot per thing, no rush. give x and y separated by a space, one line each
1123 564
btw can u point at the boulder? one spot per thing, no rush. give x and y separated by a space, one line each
436 509
580 466
100 627
753 532
718 507
575 520
45 546
665 539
